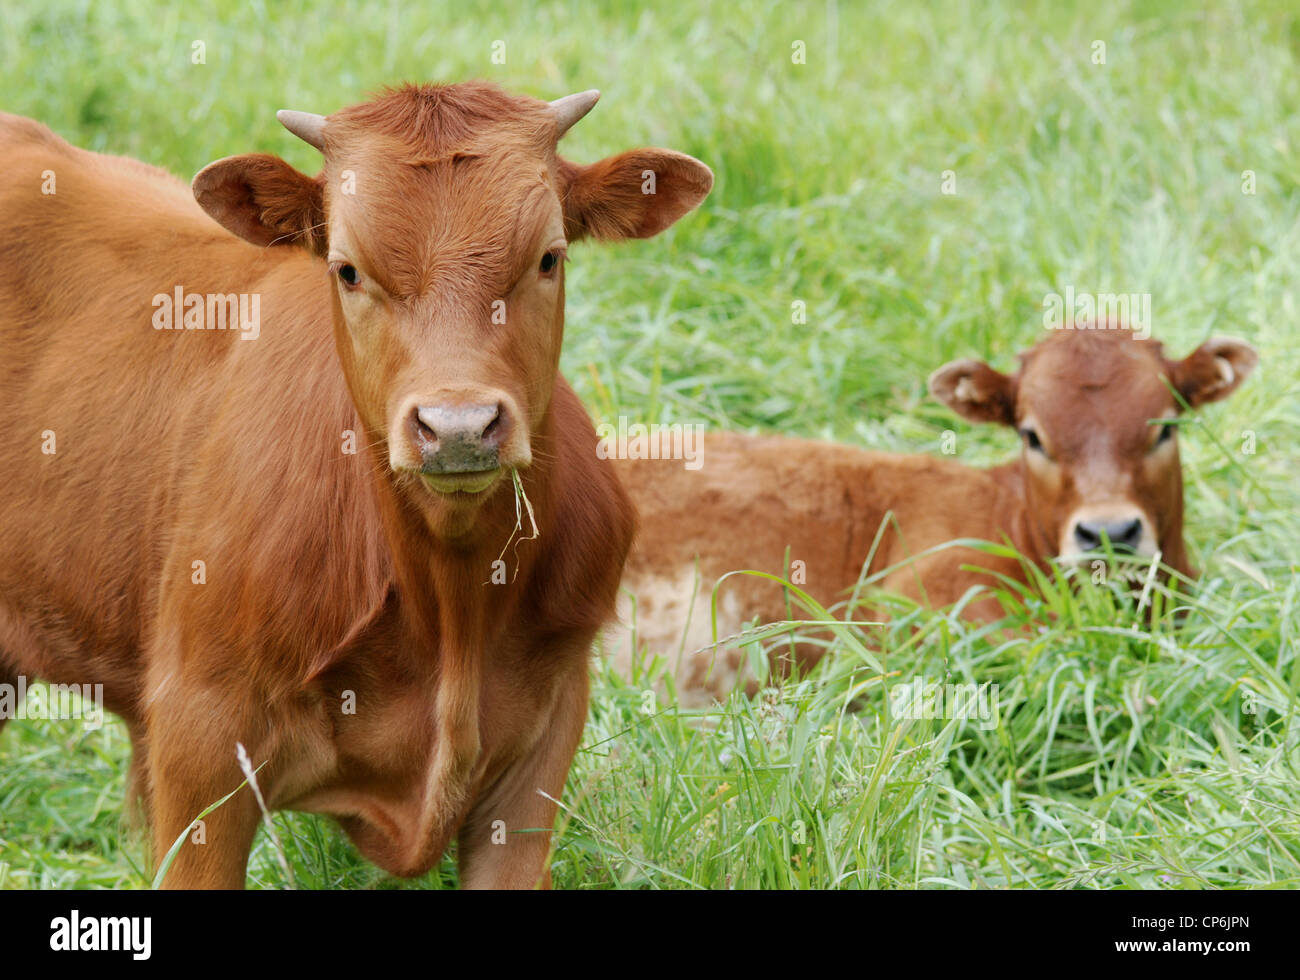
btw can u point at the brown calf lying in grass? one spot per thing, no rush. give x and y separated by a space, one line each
1097 461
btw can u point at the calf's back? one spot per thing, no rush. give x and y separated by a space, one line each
767 502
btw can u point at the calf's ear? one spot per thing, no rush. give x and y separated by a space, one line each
263 200
975 391
1214 370
635 194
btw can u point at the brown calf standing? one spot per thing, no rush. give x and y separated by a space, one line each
287 535
1092 464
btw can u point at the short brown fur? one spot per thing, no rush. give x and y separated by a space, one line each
1091 393
330 577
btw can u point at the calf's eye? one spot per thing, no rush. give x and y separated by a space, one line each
347 273
549 262
1032 440
1166 433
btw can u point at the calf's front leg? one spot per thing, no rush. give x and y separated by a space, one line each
192 764
506 839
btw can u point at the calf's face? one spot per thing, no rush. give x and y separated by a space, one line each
1096 411
445 216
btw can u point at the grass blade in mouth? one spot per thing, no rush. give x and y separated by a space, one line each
522 504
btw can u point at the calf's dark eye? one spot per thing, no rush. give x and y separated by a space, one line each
349 275
1166 433
1031 439
549 261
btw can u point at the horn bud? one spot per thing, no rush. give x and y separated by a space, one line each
571 108
307 126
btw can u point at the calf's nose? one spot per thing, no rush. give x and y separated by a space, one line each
1124 534
459 438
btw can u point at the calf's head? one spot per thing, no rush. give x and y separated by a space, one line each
1098 425
443 215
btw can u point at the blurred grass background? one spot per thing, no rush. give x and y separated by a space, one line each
1124 756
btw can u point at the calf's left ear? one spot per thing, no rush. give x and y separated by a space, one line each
635 194
976 391
1214 370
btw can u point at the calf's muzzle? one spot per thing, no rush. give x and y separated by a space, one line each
1124 533
459 438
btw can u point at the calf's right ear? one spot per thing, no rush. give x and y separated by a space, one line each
263 200
975 391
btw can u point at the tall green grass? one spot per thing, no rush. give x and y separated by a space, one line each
1158 755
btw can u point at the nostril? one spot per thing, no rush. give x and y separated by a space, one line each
1087 536
495 428
422 421
1129 533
